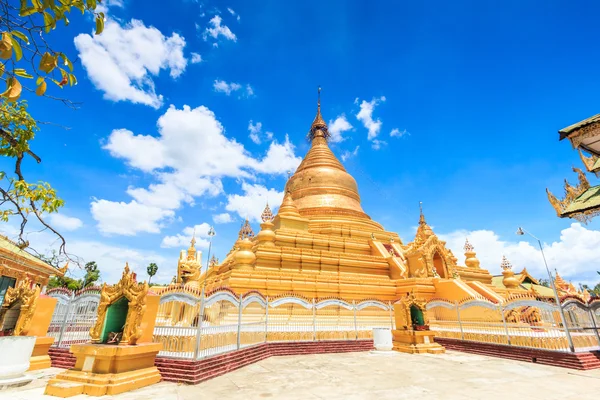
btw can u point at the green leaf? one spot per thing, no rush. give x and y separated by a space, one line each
21 72
25 12
39 80
99 23
91 4
21 36
36 4
72 80
16 48
48 22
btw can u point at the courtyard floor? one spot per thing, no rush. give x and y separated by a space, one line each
374 375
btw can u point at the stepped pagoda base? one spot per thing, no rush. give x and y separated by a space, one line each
409 341
107 370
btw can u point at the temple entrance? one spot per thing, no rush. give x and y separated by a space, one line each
439 265
116 315
416 316
10 318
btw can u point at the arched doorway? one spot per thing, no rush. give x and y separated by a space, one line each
439 265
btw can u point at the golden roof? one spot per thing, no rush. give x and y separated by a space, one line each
9 247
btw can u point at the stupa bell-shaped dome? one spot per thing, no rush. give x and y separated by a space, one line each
321 184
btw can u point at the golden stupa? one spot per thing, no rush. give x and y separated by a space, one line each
322 244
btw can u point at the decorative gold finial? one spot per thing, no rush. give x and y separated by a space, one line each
319 126
246 231
505 264
468 246
191 253
267 215
421 217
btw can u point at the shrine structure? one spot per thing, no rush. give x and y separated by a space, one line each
581 202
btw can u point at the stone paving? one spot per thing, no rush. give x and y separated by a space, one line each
375 375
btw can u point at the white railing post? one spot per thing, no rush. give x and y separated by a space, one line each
462 334
594 326
504 322
355 325
391 314
239 331
314 310
65 320
267 320
199 331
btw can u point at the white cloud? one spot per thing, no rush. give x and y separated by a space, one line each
252 203
65 223
223 218
255 130
224 87
398 133
233 13
337 127
183 239
229 88
280 158
365 115
124 59
196 58
377 144
575 255
128 218
217 30
349 154
188 159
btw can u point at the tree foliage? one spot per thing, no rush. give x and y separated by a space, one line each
92 274
28 62
152 269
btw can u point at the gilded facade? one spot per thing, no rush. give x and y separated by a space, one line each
322 244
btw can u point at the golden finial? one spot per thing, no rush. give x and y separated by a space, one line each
319 126
505 264
421 217
267 215
468 246
246 231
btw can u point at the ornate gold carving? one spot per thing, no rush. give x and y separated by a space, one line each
28 296
190 268
571 193
246 231
135 293
589 162
404 312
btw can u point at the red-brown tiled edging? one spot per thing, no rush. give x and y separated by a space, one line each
193 372
581 361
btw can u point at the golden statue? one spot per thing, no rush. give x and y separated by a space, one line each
189 267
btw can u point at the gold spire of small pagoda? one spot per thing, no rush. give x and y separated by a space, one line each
246 231
509 280
288 208
267 215
471 260
424 231
319 126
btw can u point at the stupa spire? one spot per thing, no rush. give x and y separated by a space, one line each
319 126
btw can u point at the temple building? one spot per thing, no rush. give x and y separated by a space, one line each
17 264
581 202
321 243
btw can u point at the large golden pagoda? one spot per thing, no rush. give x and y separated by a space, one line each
322 244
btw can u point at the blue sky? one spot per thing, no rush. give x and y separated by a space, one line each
474 94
